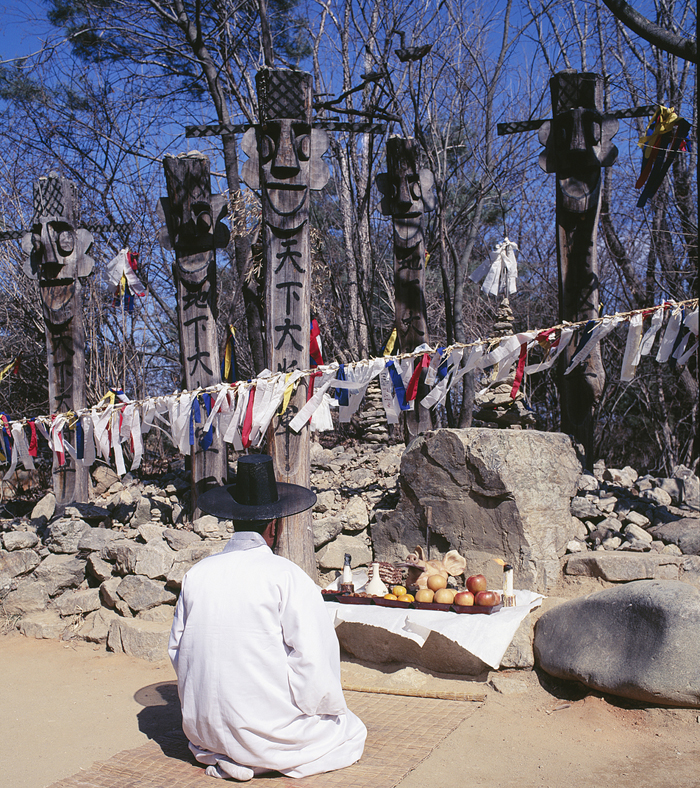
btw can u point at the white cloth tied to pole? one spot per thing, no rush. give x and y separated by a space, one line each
672 328
632 356
358 378
119 267
690 322
439 391
604 327
21 447
500 272
657 321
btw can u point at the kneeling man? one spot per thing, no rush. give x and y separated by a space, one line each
255 652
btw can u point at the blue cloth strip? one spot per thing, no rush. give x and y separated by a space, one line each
208 437
397 383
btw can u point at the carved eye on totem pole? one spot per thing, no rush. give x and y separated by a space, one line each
289 153
194 226
57 250
406 198
578 142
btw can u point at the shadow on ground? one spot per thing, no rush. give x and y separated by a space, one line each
161 719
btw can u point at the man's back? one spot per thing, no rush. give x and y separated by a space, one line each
258 664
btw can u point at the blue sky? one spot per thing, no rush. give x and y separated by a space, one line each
24 28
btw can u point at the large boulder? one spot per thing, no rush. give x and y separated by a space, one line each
143 639
684 532
638 641
493 493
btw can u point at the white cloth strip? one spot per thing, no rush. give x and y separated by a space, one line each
657 320
672 328
632 349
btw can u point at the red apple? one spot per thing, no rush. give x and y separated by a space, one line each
464 599
486 598
476 583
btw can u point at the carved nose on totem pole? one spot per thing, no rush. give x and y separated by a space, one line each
285 162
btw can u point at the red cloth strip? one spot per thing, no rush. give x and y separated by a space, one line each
520 371
412 388
248 420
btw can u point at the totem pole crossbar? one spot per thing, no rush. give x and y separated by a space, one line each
17 235
221 129
519 126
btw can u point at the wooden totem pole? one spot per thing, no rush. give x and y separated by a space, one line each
194 230
284 162
578 144
58 258
408 192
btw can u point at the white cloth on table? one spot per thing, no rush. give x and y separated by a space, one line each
485 636
258 666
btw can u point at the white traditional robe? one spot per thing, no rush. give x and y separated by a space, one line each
258 665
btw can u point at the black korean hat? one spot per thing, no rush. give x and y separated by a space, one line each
256 495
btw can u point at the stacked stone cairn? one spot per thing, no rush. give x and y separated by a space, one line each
494 407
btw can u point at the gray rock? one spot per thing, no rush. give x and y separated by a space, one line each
17 563
161 614
684 533
103 477
638 641
86 511
646 482
657 496
150 532
690 485
141 593
506 685
331 556
28 597
612 542
354 514
361 478
142 512
488 496
123 609
96 626
179 539
63 535
108 591
99 568
607 505
674 487
588 482
60 572
144 639
580 530
585 509
210 527
325 529
636 518
153 560
325 501
625 477
177 571
672 549
123 552
44 508
620 567
95 539
574 546
633 532
19 540
46 625
72 603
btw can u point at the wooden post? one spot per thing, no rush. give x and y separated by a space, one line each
194 230
408 192
285 163
58 258
578 143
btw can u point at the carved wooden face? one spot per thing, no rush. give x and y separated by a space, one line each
289 154
57 250
406 198
577 144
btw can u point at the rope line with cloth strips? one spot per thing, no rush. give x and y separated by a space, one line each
241 411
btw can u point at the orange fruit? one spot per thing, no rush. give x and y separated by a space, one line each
436 582
424 595
390 596
406 598
399 591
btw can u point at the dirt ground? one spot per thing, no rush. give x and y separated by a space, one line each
67 705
